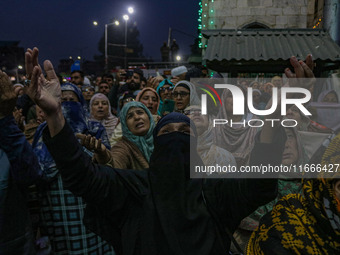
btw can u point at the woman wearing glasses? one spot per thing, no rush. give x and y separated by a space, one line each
164 91
185 95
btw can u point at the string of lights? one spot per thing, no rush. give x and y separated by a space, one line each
317 24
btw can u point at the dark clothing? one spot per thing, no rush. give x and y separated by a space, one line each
174 50
113 96
162 210
165 51
19 168
24 102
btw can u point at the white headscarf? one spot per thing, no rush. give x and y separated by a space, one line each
111 121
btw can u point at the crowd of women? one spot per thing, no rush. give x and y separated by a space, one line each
303 217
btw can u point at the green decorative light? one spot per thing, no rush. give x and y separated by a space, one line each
206 5
200 23
212 11
212 22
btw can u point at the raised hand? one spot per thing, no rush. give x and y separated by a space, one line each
7 95
153 82
303 75
45 92
31 60
101 154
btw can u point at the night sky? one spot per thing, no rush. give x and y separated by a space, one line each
65 28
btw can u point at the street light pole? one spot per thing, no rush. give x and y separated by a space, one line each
106 60
126 18
125 56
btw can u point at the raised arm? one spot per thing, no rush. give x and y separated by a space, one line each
25 169
97 184
45 92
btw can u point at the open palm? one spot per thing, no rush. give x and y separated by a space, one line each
45 92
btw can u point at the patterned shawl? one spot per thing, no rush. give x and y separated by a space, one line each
304 225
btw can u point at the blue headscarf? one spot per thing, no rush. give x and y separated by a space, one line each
161 84
144 143
75 115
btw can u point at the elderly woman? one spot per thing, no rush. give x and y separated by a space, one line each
237 138
185 95
293 154
100 110
306 224
209 152
328 96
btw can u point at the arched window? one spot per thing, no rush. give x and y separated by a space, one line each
255 25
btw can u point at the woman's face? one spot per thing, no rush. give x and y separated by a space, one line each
229 103
176 127
256 85
165 92
294 113
149 99
100 109
137 121
69 96
290 154
269 88
201 121
330 98
256 97
181 97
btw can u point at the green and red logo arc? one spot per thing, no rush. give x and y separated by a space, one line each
210 94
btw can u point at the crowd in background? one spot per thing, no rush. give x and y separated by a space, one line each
114 117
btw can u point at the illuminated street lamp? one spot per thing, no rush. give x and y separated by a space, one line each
17 73
95 23
126 18
131 10
178 58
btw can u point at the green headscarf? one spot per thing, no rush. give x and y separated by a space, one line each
144 143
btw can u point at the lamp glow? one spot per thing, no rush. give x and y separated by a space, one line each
131 10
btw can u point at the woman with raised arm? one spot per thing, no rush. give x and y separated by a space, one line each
65 230
159 211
